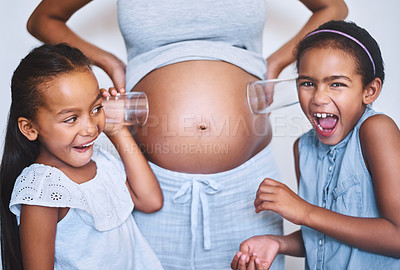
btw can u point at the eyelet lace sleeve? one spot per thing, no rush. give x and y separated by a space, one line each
103 202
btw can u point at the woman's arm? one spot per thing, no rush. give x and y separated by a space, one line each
380 142
48 24
145 189
38 233
322 11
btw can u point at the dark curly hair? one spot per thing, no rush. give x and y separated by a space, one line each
364 67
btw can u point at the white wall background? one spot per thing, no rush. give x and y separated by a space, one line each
97 22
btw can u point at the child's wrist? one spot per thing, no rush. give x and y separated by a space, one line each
119 135
114 129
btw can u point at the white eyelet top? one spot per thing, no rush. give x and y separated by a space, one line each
98 231
103 202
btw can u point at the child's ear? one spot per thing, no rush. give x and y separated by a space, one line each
27 128
372 91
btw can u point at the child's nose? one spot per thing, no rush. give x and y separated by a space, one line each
321 96
89 128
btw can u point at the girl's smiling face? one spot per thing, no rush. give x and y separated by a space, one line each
331 93
70 121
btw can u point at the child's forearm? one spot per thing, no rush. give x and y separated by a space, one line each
291 244
145 189
377 235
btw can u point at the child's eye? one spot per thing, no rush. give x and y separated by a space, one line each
306 84
97 109
71 120
337 84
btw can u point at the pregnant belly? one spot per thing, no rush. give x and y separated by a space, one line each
199 120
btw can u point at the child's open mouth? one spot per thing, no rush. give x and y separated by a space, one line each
82 147
325 123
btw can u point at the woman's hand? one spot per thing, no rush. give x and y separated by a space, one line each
322 12
256 253
115 69
277 197
48 23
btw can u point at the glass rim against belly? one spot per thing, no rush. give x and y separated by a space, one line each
127 109
265 96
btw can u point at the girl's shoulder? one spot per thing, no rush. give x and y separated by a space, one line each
34 177
380 121
378 130
46 185
40 185
103 202
38 179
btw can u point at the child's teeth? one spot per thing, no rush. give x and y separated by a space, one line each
89 144
323 115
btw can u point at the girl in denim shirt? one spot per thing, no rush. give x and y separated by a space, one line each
347 166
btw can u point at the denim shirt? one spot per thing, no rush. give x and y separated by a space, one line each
335 177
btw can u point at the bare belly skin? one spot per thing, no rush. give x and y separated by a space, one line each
199 120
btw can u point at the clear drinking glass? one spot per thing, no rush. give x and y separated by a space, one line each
127 109
266 96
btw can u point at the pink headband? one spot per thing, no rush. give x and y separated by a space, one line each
349 37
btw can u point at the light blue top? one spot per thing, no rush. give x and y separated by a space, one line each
99 231
336 178
162 32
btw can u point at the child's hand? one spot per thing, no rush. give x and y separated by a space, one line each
239 262
114 110
112 92
256 253
275 196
